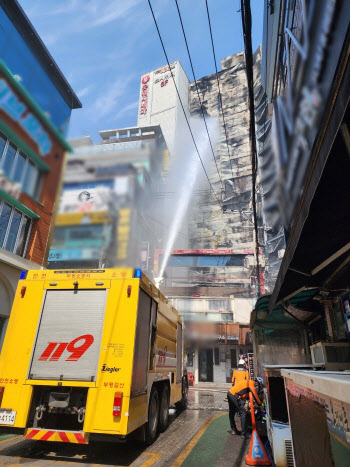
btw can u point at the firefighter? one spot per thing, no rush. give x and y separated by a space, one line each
237 397
241 374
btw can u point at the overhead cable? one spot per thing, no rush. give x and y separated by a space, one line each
199 97
217 79
182 106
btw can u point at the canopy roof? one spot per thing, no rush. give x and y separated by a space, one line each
277 317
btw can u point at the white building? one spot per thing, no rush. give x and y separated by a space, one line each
159 103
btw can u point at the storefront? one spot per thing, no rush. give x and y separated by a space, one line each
212 349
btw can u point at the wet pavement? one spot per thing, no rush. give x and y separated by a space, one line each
197 436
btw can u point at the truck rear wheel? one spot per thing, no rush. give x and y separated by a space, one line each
164 408
182 404
152 424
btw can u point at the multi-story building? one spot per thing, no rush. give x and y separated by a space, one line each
306 78
24 53
273 237
159 103
211 272
32 149
106 216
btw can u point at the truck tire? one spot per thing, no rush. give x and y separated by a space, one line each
164 408
182 404
153 415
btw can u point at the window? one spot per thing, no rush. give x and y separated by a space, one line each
87 236
190 358
8 159
20 59
216 356
233 353
212 317
18 168
2 143
14 229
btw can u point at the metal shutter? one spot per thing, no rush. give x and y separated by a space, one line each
142 341
67 315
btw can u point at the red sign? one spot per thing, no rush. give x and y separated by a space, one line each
144 95
54 350
196 295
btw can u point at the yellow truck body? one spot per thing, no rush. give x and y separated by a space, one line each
85 351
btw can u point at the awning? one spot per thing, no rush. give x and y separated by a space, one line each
277 318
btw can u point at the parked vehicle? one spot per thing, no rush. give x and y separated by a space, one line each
90 355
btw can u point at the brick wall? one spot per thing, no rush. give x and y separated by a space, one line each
45 205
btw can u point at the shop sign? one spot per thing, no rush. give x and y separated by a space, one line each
232 338
144 94
165 69
95 199
201 252
74 254
163 79
18 111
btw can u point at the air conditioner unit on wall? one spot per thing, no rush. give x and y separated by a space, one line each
334 355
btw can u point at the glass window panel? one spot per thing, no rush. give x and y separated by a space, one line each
4 21
2 143
58 237
84 236
8 159
13 231
4 220
30 182
22 237
19 167
21 61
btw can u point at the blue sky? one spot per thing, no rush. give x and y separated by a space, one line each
104 46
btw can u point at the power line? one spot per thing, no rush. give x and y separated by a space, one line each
178 94
196 84
217 79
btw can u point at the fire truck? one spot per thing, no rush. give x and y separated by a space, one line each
90 355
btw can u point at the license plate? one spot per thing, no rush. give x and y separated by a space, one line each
7 418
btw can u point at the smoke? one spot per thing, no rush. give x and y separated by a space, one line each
186 173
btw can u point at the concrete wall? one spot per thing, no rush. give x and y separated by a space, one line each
11 266
8 283
243 308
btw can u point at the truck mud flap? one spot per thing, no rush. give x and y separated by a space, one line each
76 437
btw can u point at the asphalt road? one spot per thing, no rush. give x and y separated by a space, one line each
197 436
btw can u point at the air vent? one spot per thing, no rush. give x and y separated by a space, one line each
289 452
